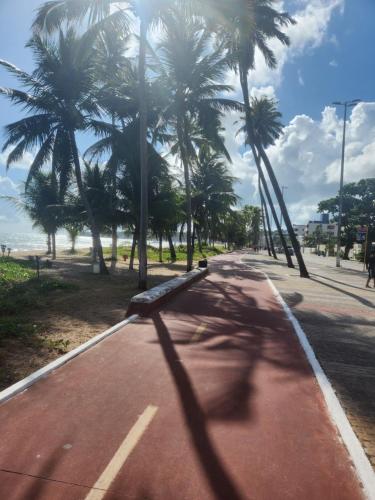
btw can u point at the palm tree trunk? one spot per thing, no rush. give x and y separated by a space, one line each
114 246
185 162
143 222
273 211
172 250
199 238
73 248
49 248
269 241
90 216
181 234
160 247
297 250
53 235
132 251
113 172
265 230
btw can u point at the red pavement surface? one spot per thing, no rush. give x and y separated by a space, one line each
240 414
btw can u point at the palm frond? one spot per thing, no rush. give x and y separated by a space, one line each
42 156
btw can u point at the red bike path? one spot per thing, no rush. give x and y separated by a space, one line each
210 397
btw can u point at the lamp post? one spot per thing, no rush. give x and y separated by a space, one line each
346 104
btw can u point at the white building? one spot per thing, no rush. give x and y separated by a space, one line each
327 229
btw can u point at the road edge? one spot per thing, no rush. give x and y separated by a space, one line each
26 382
362 466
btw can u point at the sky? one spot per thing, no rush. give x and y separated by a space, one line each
330 58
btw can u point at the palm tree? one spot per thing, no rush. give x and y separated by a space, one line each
121 143
54 12
73 231
41 202
112 66
212 193
165 212
244 26
60 100
190 77
266 128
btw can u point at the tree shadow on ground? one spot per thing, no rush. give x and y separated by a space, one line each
358 298
239 333
337 282
219 479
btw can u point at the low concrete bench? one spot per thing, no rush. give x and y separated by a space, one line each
145 302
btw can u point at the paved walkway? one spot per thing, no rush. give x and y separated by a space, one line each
209 398
337 314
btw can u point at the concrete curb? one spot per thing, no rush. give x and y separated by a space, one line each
361 463
143 303
23 384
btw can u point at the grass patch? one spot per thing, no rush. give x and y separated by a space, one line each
14 271
21 291
153 253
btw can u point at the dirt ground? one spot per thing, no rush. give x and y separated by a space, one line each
67 318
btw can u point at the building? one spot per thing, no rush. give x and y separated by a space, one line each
324 218
327 228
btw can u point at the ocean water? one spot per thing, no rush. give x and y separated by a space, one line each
38 241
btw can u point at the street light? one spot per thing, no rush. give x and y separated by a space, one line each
346 104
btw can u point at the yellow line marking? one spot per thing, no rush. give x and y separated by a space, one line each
198 332
101 486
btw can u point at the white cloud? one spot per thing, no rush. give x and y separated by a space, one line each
7 186
307 34
307 157
333 63
333 39
268 91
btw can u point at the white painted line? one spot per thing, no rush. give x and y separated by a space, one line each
42 372
109 474
357 454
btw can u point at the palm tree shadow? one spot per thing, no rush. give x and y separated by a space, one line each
363 301
220 481
336 281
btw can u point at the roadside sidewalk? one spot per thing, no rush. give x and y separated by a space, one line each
211 397
337 314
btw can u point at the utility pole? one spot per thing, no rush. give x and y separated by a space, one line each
346 104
